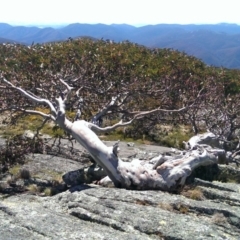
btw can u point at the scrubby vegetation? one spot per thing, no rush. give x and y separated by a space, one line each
154 77
15 150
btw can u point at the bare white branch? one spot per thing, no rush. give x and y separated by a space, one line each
38 113
116 101
61 105
69 89
33 98
137 116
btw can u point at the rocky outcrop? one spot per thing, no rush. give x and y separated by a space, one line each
202 210
93 212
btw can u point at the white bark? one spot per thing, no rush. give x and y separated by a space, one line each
207 138
167 174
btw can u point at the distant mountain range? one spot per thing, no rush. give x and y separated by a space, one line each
217 45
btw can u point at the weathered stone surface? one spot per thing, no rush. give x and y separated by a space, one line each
84 175
89 211
47 166
93 212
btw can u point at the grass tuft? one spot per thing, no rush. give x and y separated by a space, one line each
193 192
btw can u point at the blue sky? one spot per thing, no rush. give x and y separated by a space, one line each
134 12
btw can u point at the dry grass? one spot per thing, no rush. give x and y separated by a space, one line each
18 172
193 193
183 209
180 208
15 170
48 191
33 188
166 206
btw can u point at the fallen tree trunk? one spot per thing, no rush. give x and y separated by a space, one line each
162 173
168 173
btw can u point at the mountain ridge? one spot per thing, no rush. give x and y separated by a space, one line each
215 44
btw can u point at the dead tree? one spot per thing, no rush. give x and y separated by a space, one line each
166 174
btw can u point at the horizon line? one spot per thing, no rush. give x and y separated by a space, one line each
109 24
